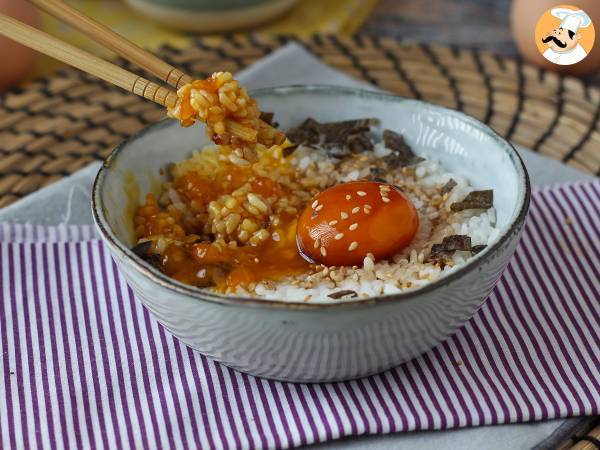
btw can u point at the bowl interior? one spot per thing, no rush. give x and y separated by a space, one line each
460 143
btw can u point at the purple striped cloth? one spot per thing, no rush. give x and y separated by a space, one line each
85 366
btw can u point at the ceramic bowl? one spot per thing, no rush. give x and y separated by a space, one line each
306 342
210 16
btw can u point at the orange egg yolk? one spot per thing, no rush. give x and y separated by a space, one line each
346 222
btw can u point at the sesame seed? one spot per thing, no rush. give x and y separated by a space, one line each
319 208
367 206
256 260
315 203
339 236
317 243
355 209
353 246
353 227
275 237
333 222
361 193
367 210
323 251
385 199
344 215
384 187
348 197
384 193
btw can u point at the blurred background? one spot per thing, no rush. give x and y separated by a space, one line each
501 26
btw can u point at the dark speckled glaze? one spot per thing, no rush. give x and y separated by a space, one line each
307 342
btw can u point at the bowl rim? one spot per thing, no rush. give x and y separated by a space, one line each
144 269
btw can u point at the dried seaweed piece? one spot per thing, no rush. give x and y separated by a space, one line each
343 294
378 171
307 133
475 200
357 143
402 154
338 132
267 117
448 186
143 251
142 248
477 248
339 138
457 242
449 245
289 150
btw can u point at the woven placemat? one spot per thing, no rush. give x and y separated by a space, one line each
56 125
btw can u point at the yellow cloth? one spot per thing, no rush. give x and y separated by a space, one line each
306 18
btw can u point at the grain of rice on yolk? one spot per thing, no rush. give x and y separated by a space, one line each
376 218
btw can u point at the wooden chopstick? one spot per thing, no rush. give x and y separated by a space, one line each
51 46
114 41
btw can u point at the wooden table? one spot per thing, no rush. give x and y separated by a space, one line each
482 24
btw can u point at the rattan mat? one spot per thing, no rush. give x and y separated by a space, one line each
56 125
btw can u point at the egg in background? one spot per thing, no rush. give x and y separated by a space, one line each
17 61
524 17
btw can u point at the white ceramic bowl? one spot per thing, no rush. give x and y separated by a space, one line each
305 342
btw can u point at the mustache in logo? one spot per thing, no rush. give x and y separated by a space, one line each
555 40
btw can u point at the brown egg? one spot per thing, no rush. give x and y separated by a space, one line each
346 222
18 61
524 18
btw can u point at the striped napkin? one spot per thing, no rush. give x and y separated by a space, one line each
85 366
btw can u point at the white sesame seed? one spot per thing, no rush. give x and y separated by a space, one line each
356 209
367 210
333 222
384 193
385 199
344 215
367 206
361 193
323 251
276 237
256 260
317 243
339 236
348 197
315 203
319 208
353 227
353 246
384 187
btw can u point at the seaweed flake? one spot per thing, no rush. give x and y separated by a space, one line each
143 251
357 143
343 294
475 200
339 138
449 245
268 117
142 248
477 248
448 186
402 154
307 133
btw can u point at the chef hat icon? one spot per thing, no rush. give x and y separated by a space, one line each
570 19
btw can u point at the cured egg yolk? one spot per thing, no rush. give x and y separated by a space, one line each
346 222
